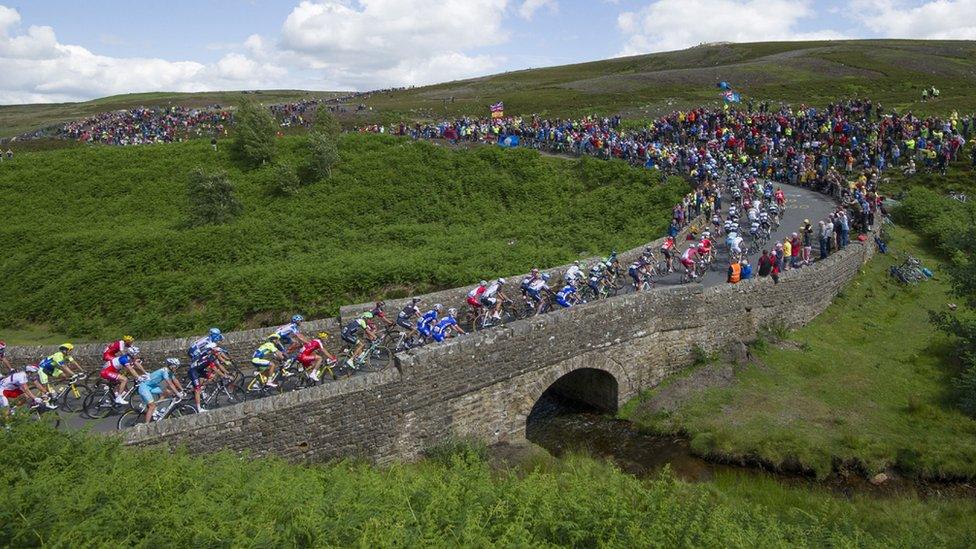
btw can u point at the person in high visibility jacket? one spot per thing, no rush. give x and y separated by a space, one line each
735 272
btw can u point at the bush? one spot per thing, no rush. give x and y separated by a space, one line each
211 198
282 180
254 134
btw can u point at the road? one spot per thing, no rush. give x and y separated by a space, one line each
801 204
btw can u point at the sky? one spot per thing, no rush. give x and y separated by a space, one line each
70 50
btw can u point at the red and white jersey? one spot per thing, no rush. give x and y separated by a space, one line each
706 244
668 244
689 254
477 292
13 381
114 349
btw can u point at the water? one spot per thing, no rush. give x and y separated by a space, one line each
560 426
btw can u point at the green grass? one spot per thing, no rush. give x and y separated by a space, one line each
97 243
866 384
80 490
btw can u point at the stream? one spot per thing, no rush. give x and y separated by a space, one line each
559 426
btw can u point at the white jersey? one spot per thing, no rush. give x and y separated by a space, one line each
737 244
573 273
492 289
538 285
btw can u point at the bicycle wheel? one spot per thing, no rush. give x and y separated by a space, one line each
182 410
230 393
129 419
99 404
136 404
616 283
74 398
379 357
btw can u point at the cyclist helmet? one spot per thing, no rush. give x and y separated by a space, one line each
273 337
367 315
173 362
415 300
380 304
578 263
133 351
66 347
452 312
128 340
501 281
438 306
546 276
217 338
214 332
297 318
323 335
483 283
30 369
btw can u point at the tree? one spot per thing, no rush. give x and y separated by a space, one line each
211 198
254 138
326 123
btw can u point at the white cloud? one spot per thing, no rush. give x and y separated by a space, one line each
529 7
938 19
38 68
377 43
675 24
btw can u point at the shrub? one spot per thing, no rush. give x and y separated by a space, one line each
282 180
323 154
211 198
254 135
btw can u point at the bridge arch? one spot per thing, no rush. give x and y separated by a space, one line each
588 388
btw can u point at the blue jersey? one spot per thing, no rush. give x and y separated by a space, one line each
428 317
285 332
440 330
157 377
563 295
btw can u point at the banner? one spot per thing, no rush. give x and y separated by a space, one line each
498 110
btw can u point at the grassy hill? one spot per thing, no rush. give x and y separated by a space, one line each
891 71
97 243
18 119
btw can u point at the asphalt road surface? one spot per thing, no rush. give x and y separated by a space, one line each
801 204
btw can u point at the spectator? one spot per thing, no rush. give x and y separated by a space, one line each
784 251
795 251
826 229
807 233
765 264
734 274
746 269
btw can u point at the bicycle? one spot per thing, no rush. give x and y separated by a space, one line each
101 403
72 394
176 408
373 358
224 391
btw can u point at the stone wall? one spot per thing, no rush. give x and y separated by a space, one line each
485 384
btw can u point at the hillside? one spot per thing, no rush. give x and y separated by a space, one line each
18 119
397 217
891 71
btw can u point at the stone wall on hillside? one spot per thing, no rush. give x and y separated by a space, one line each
485 384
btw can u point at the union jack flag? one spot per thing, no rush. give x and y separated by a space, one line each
498 107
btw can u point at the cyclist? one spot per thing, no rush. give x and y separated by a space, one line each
637 271
774 212
667 249
705 246
117 348
493 298
527 281
474 296
535 289
780 197
717 222
377 312
205 358
567 296
312 354
735 245
3 357
427 320
595 280
205 345
113 368
160 383
264 358
575 272
688 260
16 384
290 335
350 334
405 318
57 364
445 326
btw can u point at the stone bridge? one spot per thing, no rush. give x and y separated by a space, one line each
484 385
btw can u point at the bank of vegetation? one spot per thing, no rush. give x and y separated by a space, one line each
79 490
103 240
